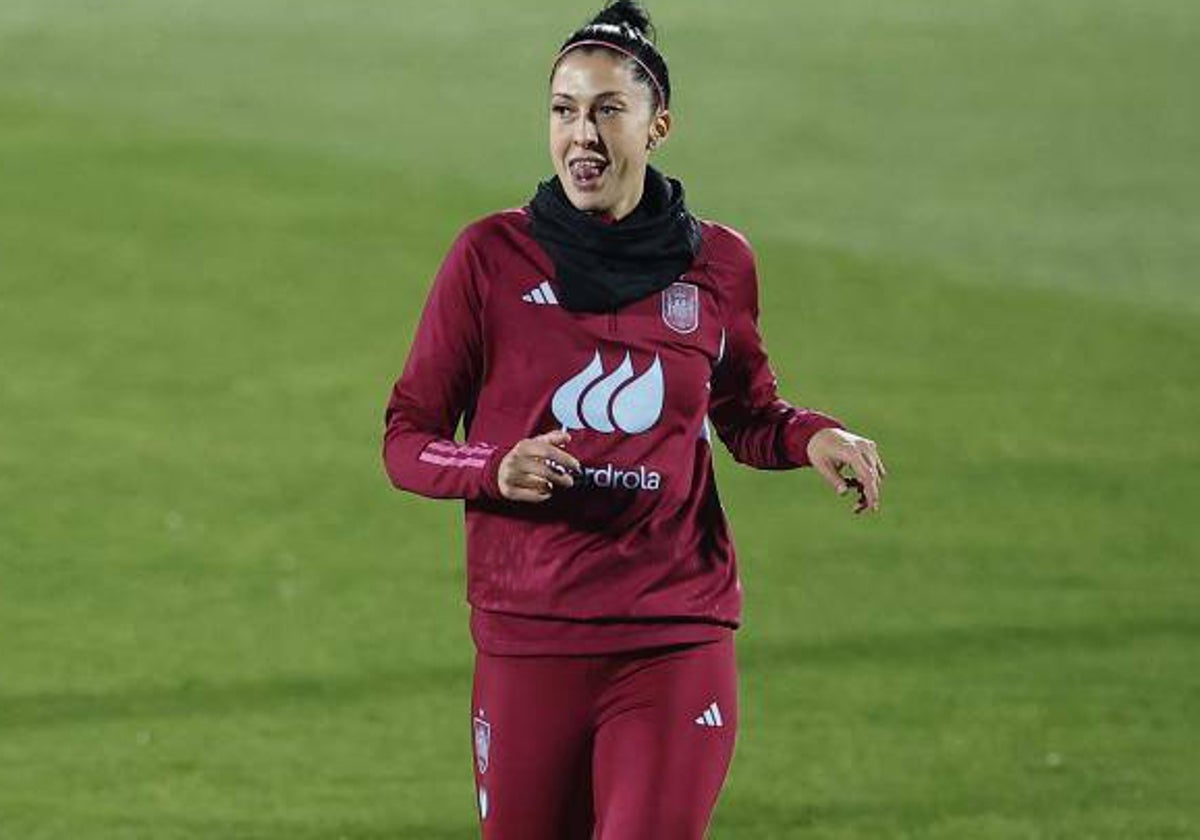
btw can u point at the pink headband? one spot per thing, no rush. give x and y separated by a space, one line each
662 98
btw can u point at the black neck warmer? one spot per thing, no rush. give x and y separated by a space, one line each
601 266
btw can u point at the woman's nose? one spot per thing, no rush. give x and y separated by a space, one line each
586 133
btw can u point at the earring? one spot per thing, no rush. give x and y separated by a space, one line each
653 144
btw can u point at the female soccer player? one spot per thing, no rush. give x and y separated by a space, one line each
585 340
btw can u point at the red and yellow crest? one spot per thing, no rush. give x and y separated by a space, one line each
681 307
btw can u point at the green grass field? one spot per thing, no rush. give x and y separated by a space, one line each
978 227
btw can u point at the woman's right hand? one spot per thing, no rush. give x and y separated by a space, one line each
525 473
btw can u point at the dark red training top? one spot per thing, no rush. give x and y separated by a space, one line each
638 553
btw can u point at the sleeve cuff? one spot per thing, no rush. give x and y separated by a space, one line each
489 480
799 431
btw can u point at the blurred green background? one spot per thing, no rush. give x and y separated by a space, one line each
977 228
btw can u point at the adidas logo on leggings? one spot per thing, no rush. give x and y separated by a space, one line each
711 716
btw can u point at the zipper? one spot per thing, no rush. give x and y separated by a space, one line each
612 322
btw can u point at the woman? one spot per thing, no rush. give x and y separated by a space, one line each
585 340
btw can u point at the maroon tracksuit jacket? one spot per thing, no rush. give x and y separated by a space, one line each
638 553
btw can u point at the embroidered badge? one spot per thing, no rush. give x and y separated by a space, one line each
681 307
483 743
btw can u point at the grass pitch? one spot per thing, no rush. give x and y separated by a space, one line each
977 230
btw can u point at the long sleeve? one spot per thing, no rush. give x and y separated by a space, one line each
759 428
438 385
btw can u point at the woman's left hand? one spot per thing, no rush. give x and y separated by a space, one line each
829 450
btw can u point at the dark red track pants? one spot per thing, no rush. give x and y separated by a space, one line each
628 746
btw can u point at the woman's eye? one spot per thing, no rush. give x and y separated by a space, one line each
609 110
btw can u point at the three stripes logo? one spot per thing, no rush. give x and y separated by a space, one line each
541 294
610 402
711 716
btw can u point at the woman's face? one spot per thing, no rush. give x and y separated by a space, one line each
602 121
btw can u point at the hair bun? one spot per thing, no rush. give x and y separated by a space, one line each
626 13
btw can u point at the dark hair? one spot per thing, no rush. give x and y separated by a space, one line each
626 26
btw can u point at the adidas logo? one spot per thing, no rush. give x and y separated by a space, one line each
711 716
541 293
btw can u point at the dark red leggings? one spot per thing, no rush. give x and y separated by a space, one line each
628 746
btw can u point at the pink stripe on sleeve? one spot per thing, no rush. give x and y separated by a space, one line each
460 449
442 461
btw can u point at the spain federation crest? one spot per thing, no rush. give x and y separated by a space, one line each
483 743
681 307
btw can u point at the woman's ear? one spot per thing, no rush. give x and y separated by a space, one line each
659 129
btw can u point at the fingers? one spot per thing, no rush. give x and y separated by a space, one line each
869 477
548 446
867 464
526 478
525 488
546 471
828 471
531 470
859 454
563 459
555 439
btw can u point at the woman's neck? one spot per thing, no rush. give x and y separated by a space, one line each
625 206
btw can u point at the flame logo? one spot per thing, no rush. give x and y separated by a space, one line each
592 399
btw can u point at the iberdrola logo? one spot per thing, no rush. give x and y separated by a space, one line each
611 402
618 401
